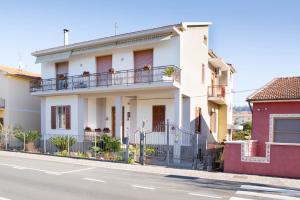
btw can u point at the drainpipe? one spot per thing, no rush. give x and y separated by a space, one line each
249 104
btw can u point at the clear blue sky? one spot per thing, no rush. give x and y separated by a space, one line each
261 38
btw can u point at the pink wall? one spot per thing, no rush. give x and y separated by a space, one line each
260 120
289 155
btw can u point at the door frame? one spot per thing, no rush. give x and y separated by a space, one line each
113 121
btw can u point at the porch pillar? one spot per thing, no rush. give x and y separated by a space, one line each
118 124
178 124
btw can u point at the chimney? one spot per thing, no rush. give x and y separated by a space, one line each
66 37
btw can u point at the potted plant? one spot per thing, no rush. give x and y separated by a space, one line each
86 73
147 67
106 130
61 77
98 130
168 73
30 138
111 71
87 129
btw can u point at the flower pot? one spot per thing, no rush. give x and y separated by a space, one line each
30 147
167 78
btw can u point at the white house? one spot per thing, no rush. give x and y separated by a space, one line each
17 106
152 75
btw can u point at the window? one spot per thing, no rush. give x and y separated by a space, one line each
203 73
158 118
287 130
205 40
61 117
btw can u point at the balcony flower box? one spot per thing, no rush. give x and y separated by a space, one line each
98 130
85 74
61 77
168 74
111 71
147 67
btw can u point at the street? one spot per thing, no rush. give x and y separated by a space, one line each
31 179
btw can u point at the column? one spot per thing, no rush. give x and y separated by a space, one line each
118 123
178 123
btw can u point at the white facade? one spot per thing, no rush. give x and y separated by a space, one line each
18 107
182 45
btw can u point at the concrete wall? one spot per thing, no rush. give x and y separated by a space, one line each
279 154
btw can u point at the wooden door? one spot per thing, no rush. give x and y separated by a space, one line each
103 64
142 58
158 118
113 121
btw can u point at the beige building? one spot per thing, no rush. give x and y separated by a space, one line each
17 106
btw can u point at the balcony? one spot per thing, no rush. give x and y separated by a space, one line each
217 94
2 104
127 78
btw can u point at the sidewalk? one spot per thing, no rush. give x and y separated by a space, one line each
274 181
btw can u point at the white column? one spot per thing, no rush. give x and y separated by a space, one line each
178 108
118 124
43 117
92 113
178 123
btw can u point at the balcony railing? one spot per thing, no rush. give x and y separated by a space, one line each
2 103
218 91
125 77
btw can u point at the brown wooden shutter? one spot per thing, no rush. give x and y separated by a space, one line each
53 117
142 58
158 118
68 117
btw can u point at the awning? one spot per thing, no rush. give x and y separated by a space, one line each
53 57
218 63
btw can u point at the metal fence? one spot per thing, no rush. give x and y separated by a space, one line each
170 146
91 145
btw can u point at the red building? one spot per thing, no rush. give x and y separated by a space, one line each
274 148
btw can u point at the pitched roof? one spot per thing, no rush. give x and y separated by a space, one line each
19 72
285 88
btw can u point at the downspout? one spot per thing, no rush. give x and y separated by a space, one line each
249 104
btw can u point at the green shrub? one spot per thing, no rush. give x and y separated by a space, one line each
30 136
61 142
169 71
109 144
63 153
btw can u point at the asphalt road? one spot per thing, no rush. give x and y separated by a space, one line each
28 179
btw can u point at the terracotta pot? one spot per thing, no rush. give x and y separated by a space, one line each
30 147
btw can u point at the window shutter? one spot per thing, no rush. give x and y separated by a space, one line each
68 117
53 117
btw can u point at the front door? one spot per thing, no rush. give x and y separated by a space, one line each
113 121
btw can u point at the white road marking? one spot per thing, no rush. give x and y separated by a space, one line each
204 195
143 187
77 170
239 198
3 198
270 189
94 180
271 196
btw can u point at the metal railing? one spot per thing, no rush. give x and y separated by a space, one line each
2 103
217 91
107 79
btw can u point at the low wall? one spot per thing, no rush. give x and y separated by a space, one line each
284 161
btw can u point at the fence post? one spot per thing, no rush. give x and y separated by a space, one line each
24 141
195 150
69 144
45 143
127 149
6 140
168 142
